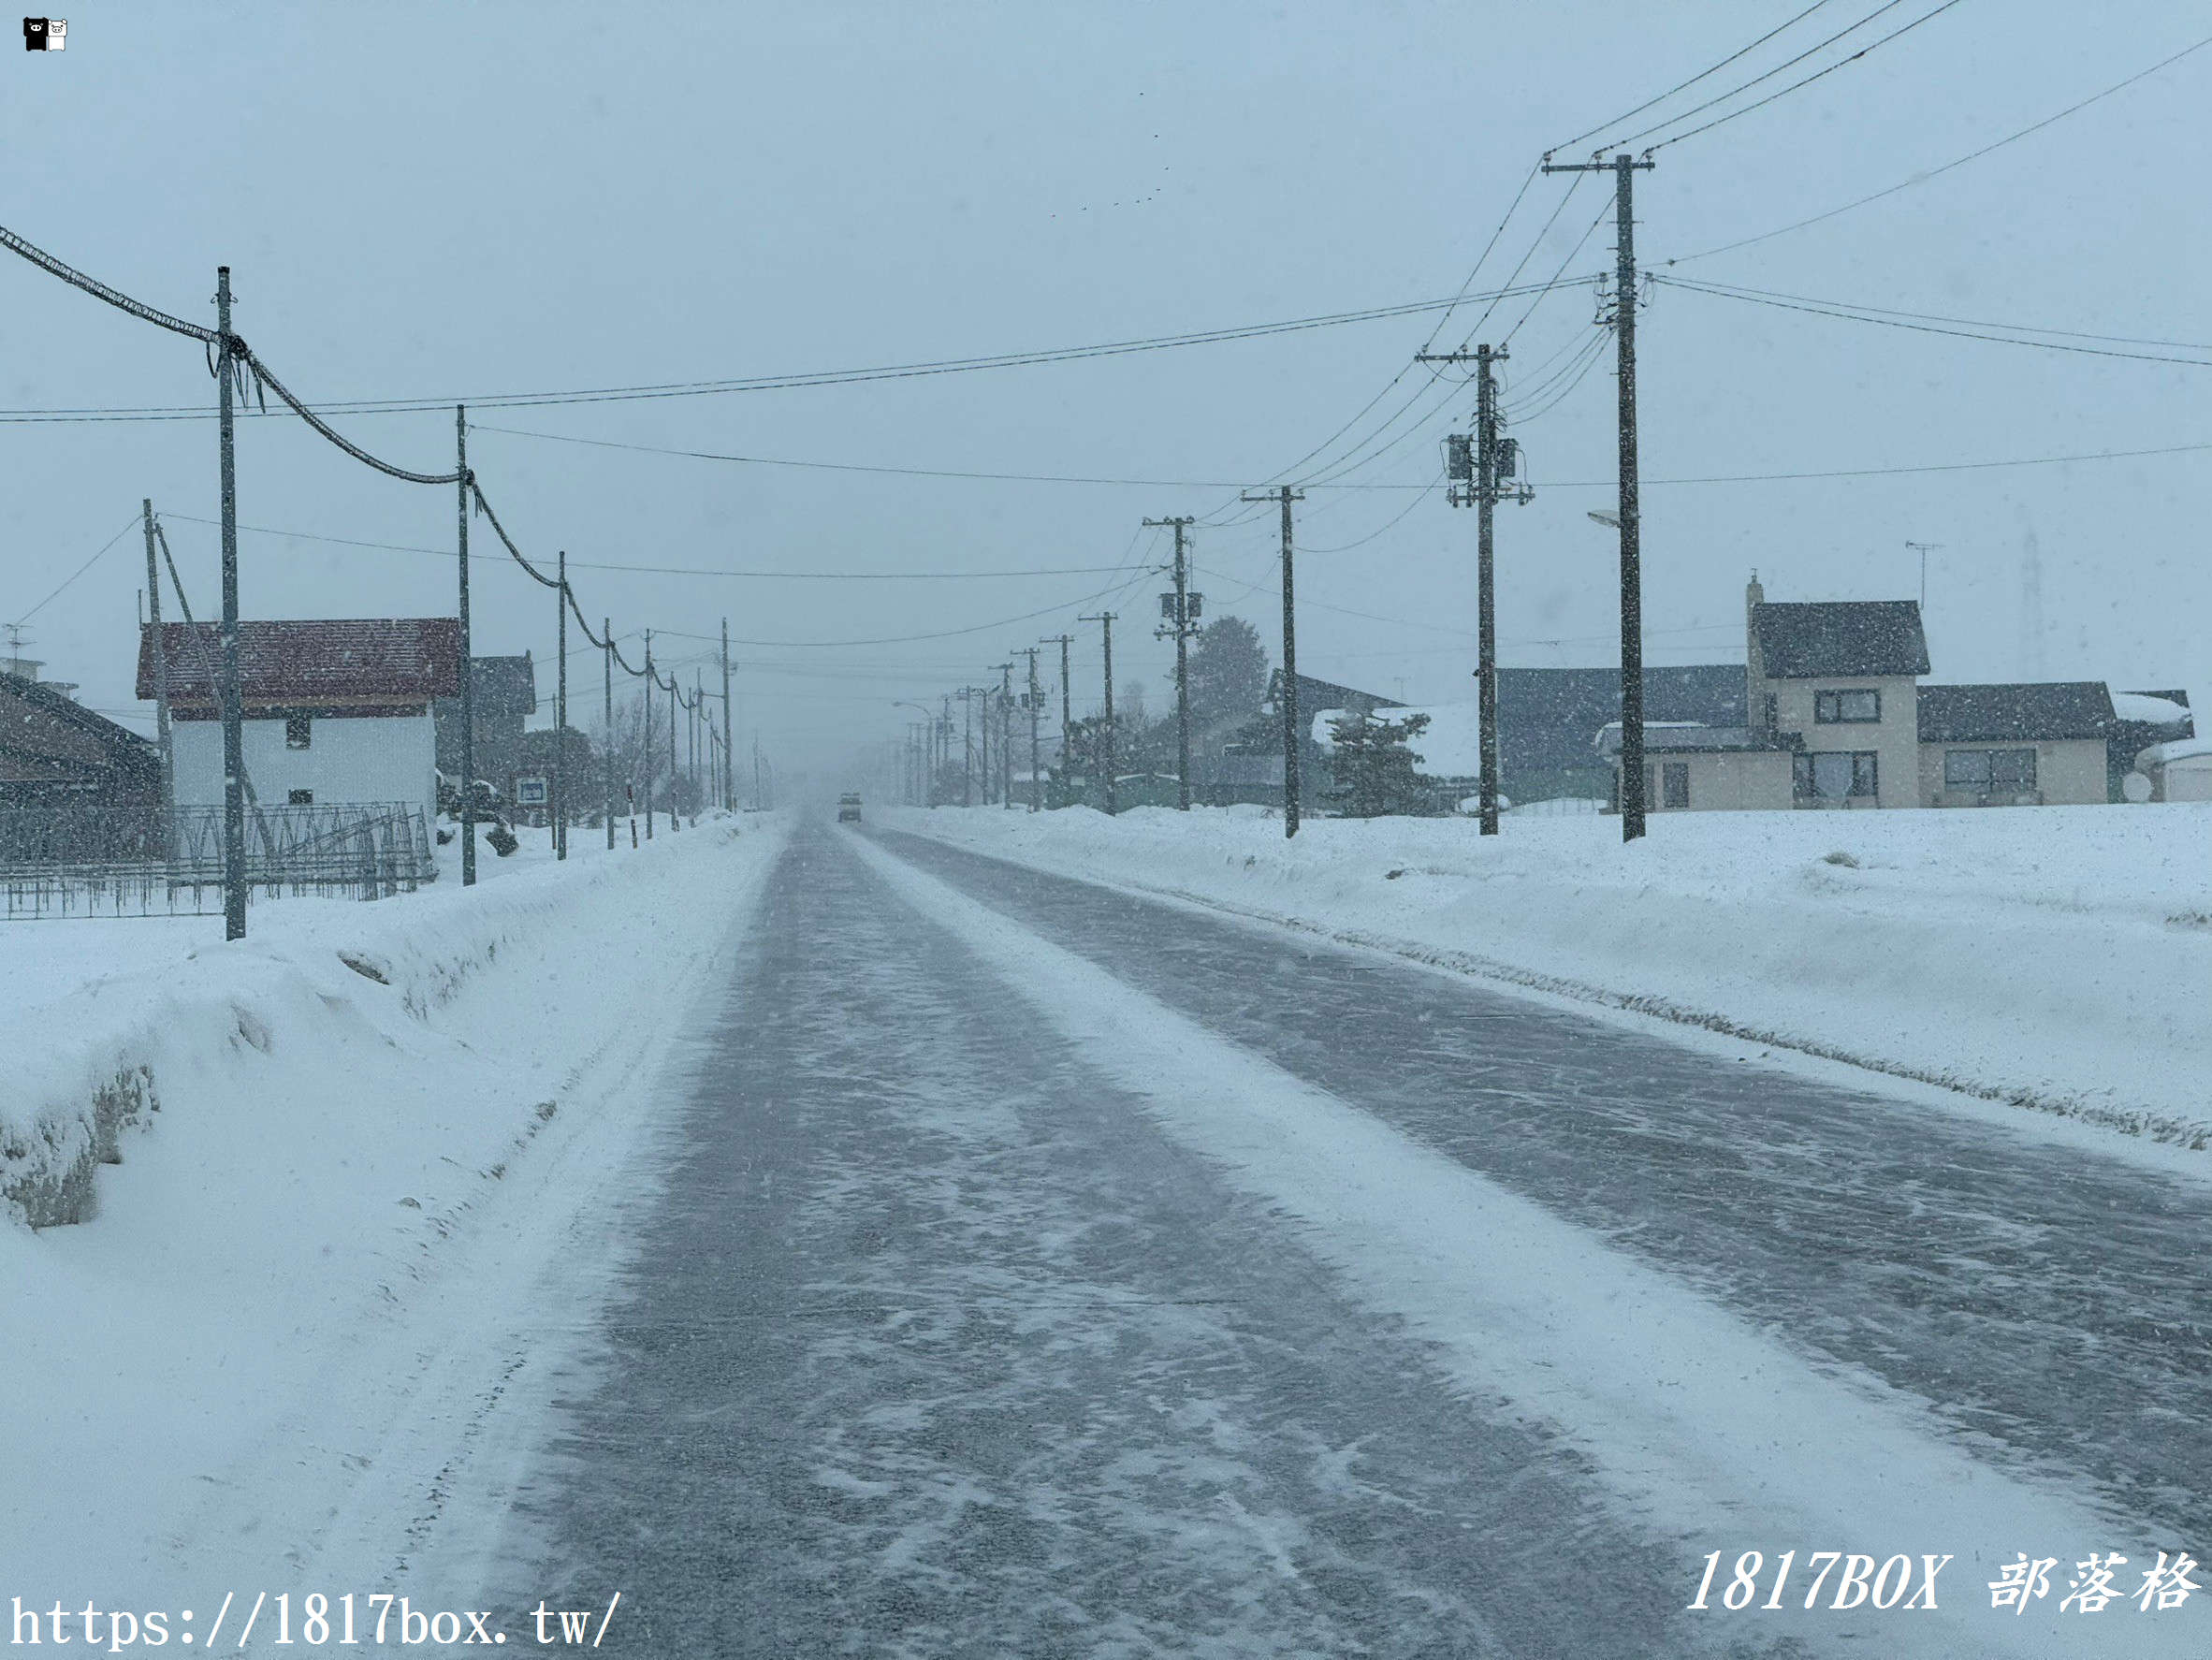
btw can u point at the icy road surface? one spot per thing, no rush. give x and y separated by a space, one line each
941 1341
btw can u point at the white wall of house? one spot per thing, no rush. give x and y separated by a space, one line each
1894 739
347 759
2069 772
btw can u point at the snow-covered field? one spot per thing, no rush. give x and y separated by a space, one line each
2055 957
335 1112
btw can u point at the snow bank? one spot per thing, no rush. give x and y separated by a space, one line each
308 1285
2052 958
101 1014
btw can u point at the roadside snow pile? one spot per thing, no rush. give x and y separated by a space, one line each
2053 957
106 1022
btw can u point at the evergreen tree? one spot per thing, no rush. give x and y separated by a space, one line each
1371 770
1227 672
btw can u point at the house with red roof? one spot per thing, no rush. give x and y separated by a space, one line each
333 710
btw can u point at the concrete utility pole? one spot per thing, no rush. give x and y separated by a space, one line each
1286 495
1623 167
1474 474
648 733
729 754
468 677
561 718
606 633
1105 618
1180 611
234 738
967 746
1066 708
161 677
674 695
1006 735
1034 698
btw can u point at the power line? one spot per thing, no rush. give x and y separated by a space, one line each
748 384
2109 455
1808 80
1854 313
81 570
1686 85
1935 172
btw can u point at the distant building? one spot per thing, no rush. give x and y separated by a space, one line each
334 710
2029 745
1547 717
55 753
504 691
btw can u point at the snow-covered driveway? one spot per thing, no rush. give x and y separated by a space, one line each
1043 1269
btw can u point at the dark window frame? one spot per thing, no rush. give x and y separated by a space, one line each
1674 784
1988 782
301 798
299 732
1866 775
1830 709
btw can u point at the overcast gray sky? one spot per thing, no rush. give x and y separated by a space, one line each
442 201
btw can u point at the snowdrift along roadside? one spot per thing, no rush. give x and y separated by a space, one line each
101 1015
306 1300
2056 958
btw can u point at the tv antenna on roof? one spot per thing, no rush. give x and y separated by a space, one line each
1923 548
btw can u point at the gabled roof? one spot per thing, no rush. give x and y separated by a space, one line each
1324 694
2045 709
1547 717
43 731
408 659
1840 638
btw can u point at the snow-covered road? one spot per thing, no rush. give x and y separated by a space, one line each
1041 1268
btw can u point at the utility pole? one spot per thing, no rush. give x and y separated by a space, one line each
1179 612
1475 474
1625 167
561 720
468 677
1067 710
161 677
1105 618
729 755
234 738
1034 698
648 733
1286 495
606 633
966 746
675 696
1006 735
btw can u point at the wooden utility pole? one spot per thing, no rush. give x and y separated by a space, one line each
234 738
1286 495
1623 167
161 679
648 733
1006 735
1105 618
1179 612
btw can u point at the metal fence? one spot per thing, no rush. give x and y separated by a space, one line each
88 862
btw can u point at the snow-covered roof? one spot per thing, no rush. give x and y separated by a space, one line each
2149 711
1451 746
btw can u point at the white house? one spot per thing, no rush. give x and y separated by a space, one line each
333 711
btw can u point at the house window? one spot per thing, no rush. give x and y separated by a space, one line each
298 732
1989 772
1834 775
1836 708
303 798
1675 784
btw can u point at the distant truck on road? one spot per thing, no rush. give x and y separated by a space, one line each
849 809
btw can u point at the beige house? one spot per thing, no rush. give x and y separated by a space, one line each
1838 719
2035 745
